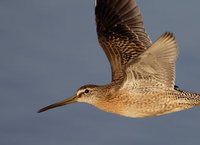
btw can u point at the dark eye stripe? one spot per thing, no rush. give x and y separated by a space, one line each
81 94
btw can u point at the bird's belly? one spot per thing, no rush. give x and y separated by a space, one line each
143 106
137 113
153 107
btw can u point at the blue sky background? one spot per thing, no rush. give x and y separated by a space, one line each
49 48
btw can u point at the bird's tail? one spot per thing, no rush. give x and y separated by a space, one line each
191 98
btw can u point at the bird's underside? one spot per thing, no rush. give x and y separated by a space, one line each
143 74
148 104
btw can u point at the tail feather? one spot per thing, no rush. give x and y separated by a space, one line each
191 98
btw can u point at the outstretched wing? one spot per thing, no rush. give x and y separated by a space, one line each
155 68
121 32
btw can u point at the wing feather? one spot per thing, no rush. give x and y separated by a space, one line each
120 32
155 68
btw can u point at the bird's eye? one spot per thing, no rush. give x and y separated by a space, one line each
86 91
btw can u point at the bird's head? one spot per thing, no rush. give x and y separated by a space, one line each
87 94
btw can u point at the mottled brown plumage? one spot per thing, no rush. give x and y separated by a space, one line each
120 32
143 74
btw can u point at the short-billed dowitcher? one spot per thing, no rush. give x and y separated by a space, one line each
143 74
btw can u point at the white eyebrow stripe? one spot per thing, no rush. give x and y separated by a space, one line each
80 91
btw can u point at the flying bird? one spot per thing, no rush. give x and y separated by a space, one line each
143 73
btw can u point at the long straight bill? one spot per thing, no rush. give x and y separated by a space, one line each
61 103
